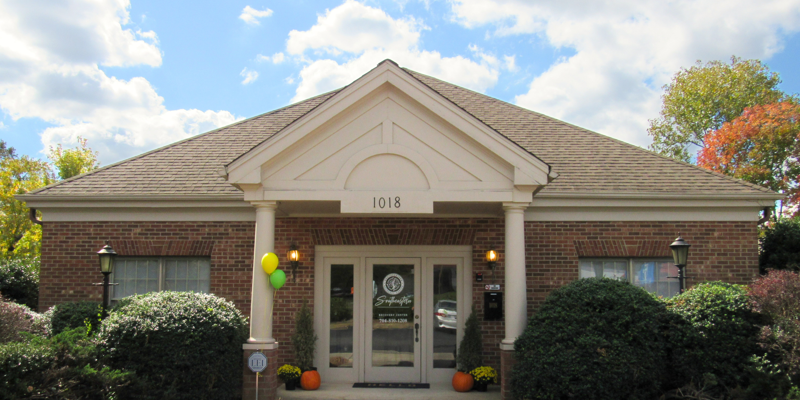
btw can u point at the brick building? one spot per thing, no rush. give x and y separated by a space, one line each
393 189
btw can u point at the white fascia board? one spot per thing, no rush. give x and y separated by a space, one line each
142 208
165 214
765 199
43 202
394 75
642 207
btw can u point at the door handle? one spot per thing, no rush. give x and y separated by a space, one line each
416 329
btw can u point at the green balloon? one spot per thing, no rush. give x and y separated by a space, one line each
277 279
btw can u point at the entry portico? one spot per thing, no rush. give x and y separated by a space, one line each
387 144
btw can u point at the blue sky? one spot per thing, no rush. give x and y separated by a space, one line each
133 76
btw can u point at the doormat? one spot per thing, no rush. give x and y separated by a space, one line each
378 385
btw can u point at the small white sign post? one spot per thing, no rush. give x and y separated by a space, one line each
257 362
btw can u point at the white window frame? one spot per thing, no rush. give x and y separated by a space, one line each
630 264
162 271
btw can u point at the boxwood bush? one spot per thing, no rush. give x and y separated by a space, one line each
593 339
68 316
67 366
723 316
19 281
185 345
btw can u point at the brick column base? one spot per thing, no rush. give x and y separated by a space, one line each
267 379
507 362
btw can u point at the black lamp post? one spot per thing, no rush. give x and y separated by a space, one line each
107 255
680 252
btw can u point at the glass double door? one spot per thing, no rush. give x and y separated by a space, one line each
392 319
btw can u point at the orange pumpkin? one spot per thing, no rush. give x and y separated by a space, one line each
310 380
462 382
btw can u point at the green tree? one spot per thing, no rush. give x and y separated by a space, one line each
702 98
6 152
72 162
19 237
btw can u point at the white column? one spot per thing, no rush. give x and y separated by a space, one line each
261 294
516 307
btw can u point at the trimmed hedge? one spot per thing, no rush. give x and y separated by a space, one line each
593 339
67 366
68 316
185 345
723 316
19 281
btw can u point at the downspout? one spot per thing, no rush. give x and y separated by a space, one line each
32 216
767 214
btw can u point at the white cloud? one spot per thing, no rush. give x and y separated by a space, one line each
49 69
250 76
361 36
510 63
2 125
625 50
353 28
289 80
250 15
276 58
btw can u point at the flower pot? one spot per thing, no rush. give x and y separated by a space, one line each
290 385
481 386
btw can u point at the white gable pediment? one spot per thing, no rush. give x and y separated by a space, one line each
388 137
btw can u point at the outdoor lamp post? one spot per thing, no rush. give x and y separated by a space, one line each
294 258
680 251
107 255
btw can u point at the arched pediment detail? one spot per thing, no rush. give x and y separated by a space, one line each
387 166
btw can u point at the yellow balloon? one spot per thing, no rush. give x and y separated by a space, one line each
269 262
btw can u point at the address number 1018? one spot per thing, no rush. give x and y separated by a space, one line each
386 202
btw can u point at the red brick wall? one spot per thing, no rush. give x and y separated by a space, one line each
70 264
720 251
726 251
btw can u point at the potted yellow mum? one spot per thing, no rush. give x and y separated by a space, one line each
483 376
289 374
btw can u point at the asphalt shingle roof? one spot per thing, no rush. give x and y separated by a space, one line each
586 161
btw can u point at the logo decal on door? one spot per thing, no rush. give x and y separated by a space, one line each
393 283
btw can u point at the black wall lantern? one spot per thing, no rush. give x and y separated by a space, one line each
680 252
491 259
294 259
107 255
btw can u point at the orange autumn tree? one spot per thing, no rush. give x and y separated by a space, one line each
762 146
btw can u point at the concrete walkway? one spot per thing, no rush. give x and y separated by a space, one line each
345 391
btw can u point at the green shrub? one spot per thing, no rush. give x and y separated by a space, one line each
470 350
304 340
21 365
66 366
780 246
184 345
593 339
19 281
722 315
68 316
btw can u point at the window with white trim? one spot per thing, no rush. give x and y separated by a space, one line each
139 275
650 274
